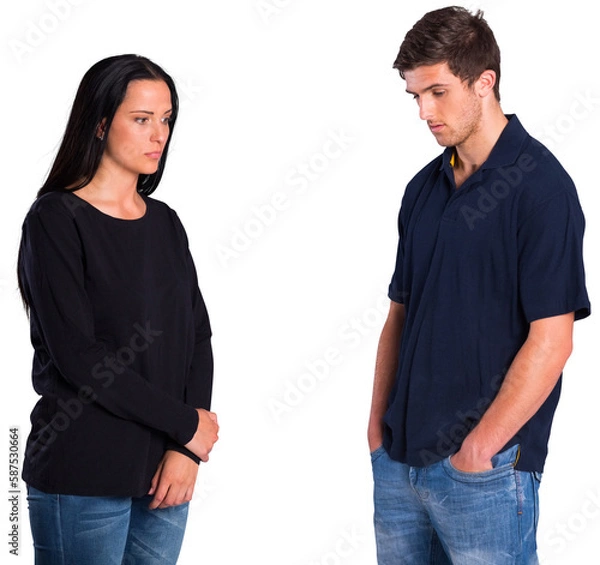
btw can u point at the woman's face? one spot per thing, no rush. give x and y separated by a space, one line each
139 130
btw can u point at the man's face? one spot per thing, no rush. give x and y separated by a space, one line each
451 108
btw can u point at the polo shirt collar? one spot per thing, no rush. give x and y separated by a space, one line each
505 152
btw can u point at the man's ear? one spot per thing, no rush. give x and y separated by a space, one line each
485 83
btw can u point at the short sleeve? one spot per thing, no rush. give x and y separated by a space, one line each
396 291
551 268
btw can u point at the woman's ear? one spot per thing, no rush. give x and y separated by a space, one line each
101 129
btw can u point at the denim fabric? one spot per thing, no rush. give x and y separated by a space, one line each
96 530
437 515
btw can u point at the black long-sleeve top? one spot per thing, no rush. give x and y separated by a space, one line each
122 350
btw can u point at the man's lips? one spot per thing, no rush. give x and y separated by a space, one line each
435 128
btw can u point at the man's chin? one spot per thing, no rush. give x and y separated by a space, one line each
443 142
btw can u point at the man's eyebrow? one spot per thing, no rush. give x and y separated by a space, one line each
436 85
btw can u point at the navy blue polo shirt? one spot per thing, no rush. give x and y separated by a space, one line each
474 267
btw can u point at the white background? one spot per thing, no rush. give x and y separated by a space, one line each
264 85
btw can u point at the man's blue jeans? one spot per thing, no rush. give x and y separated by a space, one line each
437 515
94 530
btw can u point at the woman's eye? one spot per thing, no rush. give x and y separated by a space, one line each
141 120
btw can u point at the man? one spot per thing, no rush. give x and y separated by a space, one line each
489 279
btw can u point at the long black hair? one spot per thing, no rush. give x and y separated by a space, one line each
100 93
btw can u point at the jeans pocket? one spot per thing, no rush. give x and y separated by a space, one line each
377 453
503 465
509 457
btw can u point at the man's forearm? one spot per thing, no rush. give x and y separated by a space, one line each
386 365
530 379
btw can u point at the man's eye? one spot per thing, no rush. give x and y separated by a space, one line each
439 93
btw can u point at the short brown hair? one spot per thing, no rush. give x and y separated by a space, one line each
455 36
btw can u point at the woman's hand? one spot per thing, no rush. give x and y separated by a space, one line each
205 436
174 480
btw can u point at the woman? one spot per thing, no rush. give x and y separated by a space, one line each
121 336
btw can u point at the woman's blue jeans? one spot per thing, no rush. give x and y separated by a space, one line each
437 515
95 530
